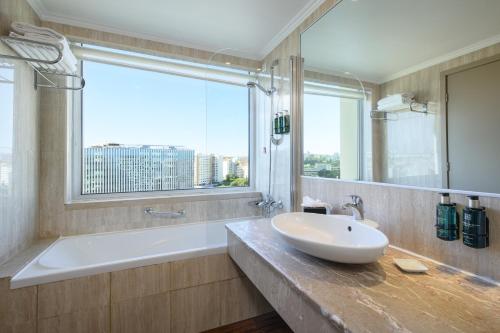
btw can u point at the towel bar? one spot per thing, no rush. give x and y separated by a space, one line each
33 62
152 212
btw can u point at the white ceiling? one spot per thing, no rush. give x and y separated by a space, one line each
249 28
384 39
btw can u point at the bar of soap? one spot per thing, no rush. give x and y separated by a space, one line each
411 265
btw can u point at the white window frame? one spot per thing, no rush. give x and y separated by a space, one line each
75 154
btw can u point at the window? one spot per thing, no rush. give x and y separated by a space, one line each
7 73
332 132
145 124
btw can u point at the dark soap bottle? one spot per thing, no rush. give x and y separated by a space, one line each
281 123
276 124
475 224
447 219
286 122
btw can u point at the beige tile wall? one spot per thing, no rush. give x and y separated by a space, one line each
56 218
184 296
281 154
148 46
19 205
407 217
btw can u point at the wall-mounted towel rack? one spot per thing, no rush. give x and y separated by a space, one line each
412 107
43 57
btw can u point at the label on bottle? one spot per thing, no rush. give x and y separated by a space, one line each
474 222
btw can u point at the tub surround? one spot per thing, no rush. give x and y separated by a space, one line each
313 295
189 295
21 259
84 255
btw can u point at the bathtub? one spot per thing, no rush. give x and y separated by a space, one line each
77 256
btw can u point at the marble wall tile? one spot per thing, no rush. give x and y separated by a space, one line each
57 218
19 202
149 314
202 270
407 217
152 47
140 282
17 308
196 309
69 296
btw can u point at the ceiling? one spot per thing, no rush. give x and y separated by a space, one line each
380 40
248 28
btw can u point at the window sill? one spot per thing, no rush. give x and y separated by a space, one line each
123 201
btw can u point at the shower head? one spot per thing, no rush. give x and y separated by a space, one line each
252 84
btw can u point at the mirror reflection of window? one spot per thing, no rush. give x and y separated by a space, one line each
6 128
434 101
331 136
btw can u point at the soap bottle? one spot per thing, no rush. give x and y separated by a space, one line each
286 122
276 123
281 123
447 219
475 224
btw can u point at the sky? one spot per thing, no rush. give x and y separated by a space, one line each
131 106
321 124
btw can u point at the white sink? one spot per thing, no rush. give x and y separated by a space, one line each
332 237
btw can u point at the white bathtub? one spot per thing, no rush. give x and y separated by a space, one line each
77 256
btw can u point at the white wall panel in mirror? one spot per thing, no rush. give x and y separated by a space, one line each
397 61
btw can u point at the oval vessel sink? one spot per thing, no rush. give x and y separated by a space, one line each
332 237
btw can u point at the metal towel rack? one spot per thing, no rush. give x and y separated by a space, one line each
412 107
39 64
150 211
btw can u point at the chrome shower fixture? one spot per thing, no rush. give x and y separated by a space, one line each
271 90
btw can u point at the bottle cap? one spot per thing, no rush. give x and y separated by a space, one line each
474 201
445 198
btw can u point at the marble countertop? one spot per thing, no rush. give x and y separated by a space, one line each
378 297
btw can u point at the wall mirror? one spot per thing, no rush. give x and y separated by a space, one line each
413 99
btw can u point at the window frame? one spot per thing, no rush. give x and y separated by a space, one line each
74 155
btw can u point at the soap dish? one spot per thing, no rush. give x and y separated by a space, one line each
411 265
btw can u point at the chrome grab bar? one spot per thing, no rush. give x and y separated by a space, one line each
150 211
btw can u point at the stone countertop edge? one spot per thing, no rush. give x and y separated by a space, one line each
442 276
334 319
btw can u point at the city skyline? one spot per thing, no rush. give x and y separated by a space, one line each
120 168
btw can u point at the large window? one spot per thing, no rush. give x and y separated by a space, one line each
148 129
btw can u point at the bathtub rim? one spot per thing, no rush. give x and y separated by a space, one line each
82 271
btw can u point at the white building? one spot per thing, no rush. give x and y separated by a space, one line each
115 168
208 169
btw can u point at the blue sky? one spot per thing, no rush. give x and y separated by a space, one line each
132 106
321 124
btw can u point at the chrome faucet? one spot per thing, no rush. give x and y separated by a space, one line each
356 206
268 204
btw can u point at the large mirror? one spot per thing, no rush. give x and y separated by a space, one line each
404 92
